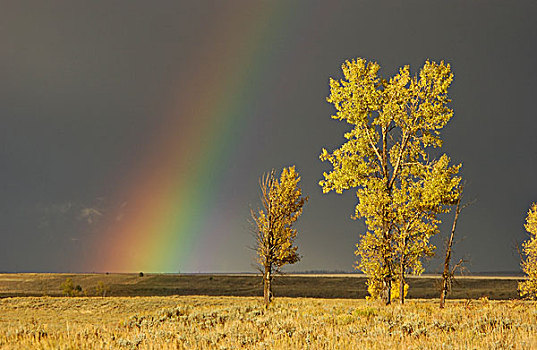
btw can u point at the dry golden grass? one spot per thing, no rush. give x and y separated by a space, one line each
242 323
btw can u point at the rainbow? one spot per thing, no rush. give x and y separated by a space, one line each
168 208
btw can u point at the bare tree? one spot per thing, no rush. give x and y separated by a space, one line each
448 273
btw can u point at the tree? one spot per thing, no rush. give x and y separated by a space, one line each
401 189
528 288
282 204
102 289
448 272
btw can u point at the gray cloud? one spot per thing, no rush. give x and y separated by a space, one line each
85 88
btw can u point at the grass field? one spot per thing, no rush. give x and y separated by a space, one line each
208 322
226 312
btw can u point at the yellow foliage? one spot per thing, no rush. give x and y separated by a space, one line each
282 205
400 188
528 288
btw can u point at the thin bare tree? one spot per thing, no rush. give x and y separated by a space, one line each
448 273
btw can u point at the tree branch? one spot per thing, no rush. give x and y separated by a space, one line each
374 147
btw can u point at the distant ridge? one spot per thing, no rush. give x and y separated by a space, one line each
497 273
518 273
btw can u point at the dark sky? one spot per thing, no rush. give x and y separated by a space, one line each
85 89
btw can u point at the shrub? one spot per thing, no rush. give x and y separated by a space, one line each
396 290
69 289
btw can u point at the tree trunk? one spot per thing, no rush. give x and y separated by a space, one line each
446 275
388 277
267 286
402 281
443 293
388 293
387 283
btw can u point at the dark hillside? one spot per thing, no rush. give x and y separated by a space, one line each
318 286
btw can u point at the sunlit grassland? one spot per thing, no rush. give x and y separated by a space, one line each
204 322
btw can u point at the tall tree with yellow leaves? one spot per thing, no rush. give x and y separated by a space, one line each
528 288
400 188
282 204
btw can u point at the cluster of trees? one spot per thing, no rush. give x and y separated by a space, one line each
403 183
